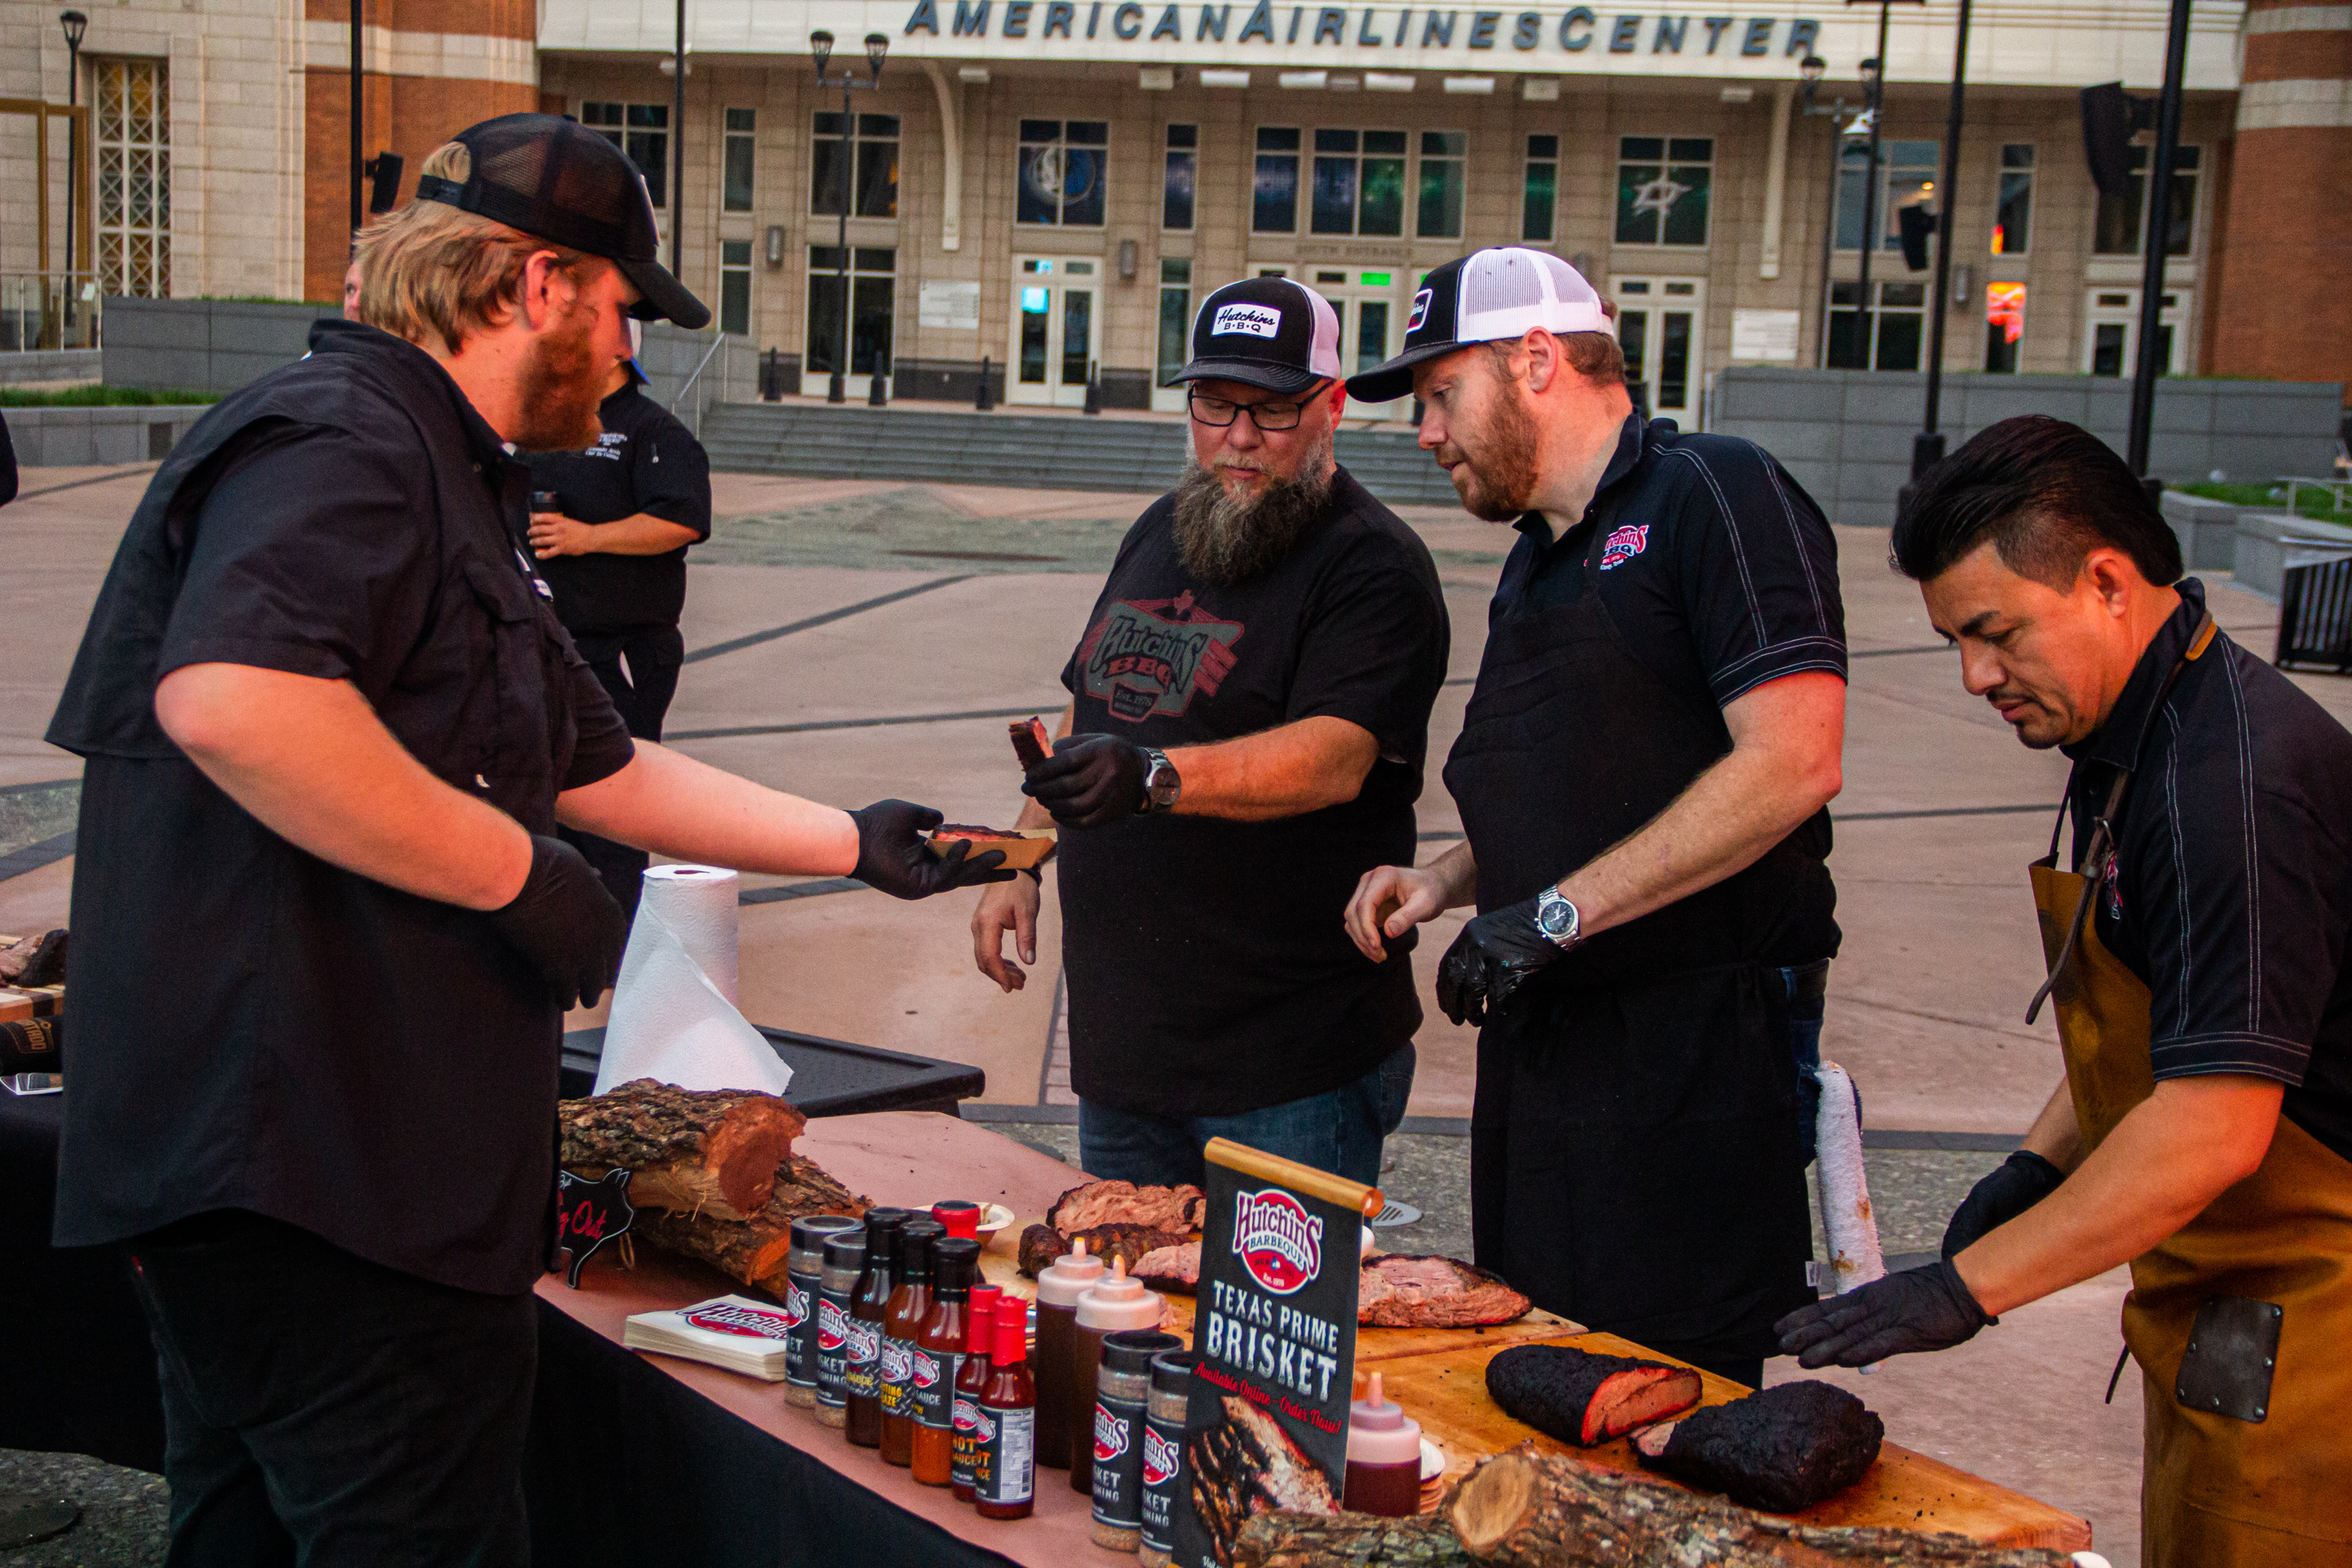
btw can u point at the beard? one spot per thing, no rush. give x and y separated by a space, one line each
1223 540
562 383
1497 481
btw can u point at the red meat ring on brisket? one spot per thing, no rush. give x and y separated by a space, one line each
1407 1292
1582 1398
1179 1208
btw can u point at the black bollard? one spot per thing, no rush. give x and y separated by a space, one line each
878 387
1093 388
982 401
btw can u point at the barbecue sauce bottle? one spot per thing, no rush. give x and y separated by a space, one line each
1059 1286
1111 1303
845 1264
938 1358
980 1330
1004 1463
1383 1458
902 1324
861 1373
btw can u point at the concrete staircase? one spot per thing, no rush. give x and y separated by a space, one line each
928 446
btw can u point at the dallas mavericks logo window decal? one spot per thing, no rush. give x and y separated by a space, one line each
1623 545
1277 1240
1420 311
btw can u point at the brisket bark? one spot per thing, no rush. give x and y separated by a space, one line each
1782 1449
1041 1244
1247 1465
1583 1398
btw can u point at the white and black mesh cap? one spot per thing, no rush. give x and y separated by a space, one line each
558 180
1265 331
1487 297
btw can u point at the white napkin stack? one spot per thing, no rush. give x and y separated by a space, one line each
730 1332
674 1017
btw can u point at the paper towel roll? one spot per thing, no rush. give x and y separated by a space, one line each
697 903
1844 1186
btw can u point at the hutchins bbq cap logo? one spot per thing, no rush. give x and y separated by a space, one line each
1257 320
1279 1241
749 1321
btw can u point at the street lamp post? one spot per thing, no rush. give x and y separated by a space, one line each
74 24
821 45
1874 87
2155 242
1927 450
1812 67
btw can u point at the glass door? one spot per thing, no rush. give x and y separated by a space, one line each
1370 305
1056 329
2111 332
1660 323
862 333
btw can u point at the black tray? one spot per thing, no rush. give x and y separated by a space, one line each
830 1078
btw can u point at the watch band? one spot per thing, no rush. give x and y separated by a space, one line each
1549 904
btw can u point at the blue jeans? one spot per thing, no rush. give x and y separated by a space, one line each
1804 1016
1339 1130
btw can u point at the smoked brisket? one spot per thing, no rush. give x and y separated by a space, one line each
1180 1209
1582 1398
1247 1465
1041 1244
1402 1290
1780 1449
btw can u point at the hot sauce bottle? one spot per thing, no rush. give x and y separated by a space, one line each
980 1328
1383 1458
1059 1286
861 1370
902 1323
1110 1304
939 1357
1005 1460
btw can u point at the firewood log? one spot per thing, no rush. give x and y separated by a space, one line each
1287 1539
703 1151
1526 1509
755 1250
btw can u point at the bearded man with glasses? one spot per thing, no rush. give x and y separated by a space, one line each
1249 714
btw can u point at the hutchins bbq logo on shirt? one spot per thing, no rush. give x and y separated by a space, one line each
1159 1458
1257 320
1277 1239
1623 545
1153 655
1112 1435
749 1321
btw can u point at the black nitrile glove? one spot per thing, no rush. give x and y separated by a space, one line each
565 922
1492 957
1923 1309
1090 781
893 857
2022 1180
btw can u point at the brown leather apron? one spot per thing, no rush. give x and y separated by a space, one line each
2270 1486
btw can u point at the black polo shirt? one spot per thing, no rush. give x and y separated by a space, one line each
2231 890
255 1028
645 461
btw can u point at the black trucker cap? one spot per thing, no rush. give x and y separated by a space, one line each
558 180
1265 331
1485 296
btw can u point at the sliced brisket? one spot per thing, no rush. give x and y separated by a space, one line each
1583 1398
1406 1291
1180 1208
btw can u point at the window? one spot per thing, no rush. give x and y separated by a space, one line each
1663 183
1542 186
875 180
1273 202
2111 341
2013 213
735 285
1907 176
872 280
1895 325
735 172
1062 171
1175 316
642 131
134 176
1183 174
2004 325
2117 229
1359 181
1442 152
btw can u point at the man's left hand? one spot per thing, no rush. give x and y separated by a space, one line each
1923 1308
552 533
1090 781
1494 956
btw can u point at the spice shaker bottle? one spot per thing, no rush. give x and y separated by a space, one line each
1163 1453
803 1280
1122 1400
845 1263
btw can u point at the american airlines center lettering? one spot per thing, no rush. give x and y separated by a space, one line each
1153 655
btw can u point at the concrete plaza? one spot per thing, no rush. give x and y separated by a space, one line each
856 640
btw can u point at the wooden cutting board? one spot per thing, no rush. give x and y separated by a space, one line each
999 1265
18 1003
1446 1392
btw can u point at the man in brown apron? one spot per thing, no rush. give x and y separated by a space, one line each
2198 957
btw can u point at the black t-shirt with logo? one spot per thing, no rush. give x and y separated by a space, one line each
645 461
1208 971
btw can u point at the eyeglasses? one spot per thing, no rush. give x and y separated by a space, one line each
1219 412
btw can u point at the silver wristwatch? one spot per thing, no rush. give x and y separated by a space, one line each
1555 918
1160 784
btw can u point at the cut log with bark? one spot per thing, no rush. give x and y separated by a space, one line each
1289 1539
703 1151
755 1250
1580 1397
1527 1509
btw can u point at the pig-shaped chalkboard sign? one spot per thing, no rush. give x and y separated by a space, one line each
588 1214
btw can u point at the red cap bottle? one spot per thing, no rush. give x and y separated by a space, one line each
972 1379
1004 1467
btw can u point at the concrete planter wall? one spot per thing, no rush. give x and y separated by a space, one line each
65 437
203 346
1847 434
2266 546
2208 530
48 364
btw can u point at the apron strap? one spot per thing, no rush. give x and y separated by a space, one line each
2101 851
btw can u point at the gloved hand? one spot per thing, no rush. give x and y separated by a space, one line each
1492 957
893 857
2022 1180
565 922
1923 1309
1090 781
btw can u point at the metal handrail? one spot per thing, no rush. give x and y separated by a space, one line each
2335 488
719 344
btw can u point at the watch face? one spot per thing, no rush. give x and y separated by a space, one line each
1555 917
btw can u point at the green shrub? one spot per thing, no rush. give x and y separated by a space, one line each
100 396
2316 504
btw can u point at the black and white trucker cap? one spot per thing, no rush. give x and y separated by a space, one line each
1485 296
557 180
1265 331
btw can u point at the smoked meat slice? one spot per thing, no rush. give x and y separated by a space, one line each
1582 1398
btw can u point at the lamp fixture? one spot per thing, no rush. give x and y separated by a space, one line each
1812 69
821 45
75 25
877 44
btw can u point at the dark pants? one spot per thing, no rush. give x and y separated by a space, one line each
639 670
1339 1130
322 1409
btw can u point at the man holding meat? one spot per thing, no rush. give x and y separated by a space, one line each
1250 708
1642 772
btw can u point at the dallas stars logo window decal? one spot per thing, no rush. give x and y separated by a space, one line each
1660 195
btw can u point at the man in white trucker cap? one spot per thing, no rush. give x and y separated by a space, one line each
1249 713
1642 776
